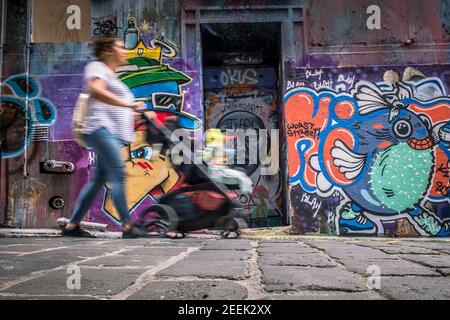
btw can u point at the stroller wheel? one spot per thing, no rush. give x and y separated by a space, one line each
231 234
160 218
176 235
230 228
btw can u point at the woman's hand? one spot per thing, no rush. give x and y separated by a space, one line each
138 106
150 115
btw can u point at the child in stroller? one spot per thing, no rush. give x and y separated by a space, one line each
207 200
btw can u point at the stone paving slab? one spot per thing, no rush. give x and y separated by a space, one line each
30 297
287 250
155 251
53 242
77 252
339 250
228 244
191 290
309 268
434 245
417 288
24 248
436 261
399 249
445 271
282 278
221 255
130 242
387 267
326 295
16 266
102 282
203 268
178 243
283 244
126 260
287 259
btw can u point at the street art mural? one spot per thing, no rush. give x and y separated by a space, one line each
246 98
369 156
160 87
22 107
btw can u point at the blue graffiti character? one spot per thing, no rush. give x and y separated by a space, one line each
159 87
387 168
22 109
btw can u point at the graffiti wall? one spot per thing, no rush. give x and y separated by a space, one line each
43 168
247 98
366 136
23 113
368 150
160 87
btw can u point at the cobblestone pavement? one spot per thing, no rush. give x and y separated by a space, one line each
211 268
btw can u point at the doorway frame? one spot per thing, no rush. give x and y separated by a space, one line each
291 18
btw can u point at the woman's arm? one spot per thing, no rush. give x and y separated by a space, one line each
98 89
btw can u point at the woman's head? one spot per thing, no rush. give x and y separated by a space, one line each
110 50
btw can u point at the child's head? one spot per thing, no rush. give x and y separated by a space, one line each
216 151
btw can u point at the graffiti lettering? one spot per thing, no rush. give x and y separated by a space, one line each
294 84
314 203
239 123
314 73
302 129
445 170
323 84
105 26
442 189
239 77
350 79
244 107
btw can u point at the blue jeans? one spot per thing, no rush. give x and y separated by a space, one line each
109 169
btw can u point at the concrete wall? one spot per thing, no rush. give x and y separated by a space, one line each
326 54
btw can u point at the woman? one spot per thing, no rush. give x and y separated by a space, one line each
109 124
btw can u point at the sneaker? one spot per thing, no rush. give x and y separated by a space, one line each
135 232
77 232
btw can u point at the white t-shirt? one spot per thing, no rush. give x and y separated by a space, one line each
117 119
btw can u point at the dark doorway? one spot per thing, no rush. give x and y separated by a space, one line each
241 44
241 71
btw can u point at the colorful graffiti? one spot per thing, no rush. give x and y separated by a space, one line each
22 111
160 87
376 153
246 98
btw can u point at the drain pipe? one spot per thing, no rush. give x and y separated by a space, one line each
2 48
2 38
27 98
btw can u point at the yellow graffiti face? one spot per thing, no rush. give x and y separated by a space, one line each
145 170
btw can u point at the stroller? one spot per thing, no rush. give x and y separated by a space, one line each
202 203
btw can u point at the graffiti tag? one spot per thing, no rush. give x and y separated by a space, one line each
105 26
231 77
